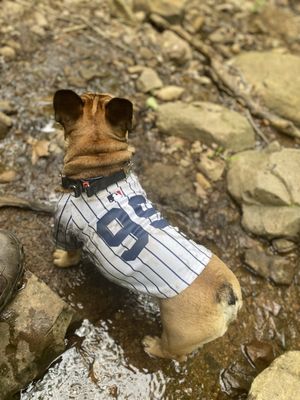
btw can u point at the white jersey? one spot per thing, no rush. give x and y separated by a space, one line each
128 240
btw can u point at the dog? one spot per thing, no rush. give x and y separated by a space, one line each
105 212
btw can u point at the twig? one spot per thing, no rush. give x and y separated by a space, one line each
73 28
256 128
12 201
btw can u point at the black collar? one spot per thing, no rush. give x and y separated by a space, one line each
91 186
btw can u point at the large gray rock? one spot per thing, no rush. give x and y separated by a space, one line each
267 185
280 381
272 222
207 122
32 332
275 78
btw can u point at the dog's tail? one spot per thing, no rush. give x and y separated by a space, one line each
231 299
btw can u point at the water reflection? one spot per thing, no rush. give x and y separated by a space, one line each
96 370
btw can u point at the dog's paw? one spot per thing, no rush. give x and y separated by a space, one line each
151 346
65 259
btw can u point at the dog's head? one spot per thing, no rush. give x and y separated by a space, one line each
96 129
101 114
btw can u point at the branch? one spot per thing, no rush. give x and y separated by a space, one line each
12 201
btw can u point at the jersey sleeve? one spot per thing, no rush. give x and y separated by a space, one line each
64 238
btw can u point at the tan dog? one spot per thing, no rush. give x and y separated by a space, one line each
96 128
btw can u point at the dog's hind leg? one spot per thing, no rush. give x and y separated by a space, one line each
65 259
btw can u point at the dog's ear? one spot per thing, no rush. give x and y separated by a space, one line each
67 106
119 112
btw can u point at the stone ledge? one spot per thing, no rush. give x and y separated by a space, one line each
32 331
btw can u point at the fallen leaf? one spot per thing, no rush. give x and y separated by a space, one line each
8 176
259 354
202 181
40 148
152 103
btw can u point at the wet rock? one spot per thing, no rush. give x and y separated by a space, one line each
268 305
7 107
7 52
172 10
136 69
267 184
169 93
89 73
148 81
193 22
208 122
277 268
173 144
32 331
281 21
280 381
220 35
140 16
273 77
284 246
123 9
12 9
40 19
236 379
38 30
174 48
169 185
213 168
147 54
76 81
5 124
270 222
204 80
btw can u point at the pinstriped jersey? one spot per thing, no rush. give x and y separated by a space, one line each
128 239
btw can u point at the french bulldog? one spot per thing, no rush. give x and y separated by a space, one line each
105 213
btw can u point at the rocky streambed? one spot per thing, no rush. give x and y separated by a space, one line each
215 86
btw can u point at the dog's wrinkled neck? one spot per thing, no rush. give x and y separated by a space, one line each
89 160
